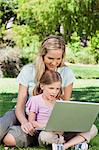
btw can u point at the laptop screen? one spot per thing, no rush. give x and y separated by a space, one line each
71 116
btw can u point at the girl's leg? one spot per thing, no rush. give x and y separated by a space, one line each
90 134
6 121
81 137
46 138
74 141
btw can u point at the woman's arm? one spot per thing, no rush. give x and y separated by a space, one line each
67 92
22 97
20 107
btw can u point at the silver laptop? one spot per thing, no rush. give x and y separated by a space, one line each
71 116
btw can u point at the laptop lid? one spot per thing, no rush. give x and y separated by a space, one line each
71 116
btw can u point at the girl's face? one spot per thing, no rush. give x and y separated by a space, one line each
51 91
53 59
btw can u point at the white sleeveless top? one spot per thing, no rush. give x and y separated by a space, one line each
27 77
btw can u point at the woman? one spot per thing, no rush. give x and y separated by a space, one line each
50 57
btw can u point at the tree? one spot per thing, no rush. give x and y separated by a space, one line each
40 18
7 10
45 17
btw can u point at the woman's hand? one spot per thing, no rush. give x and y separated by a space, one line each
28 128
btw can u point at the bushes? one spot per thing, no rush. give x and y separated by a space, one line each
29 52
10 62
83 56
12 59
89 54
23 36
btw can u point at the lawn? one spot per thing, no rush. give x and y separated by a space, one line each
84 90
85 71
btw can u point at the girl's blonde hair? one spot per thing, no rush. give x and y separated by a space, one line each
52 42
47 78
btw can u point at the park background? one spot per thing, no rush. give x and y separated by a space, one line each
24 24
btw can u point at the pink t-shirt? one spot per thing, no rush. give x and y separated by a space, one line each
37 105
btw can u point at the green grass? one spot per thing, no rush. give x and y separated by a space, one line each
84 90
8 94
86 71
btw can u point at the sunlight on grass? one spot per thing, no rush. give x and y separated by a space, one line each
82 83
8 85
85 71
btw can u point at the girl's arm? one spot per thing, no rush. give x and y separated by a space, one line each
20 107
31 118
67 92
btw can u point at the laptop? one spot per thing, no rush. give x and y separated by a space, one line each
72 116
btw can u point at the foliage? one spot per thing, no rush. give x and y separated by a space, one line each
95 46
86 55
2 34
27 42
46 17
39 16
37 19
7 9
29 53
24 36
10 63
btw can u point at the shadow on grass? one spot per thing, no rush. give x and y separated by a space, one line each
89 94
7 102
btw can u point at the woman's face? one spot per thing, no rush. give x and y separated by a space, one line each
53 59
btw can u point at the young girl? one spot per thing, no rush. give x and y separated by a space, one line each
39 108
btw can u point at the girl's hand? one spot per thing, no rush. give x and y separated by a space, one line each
28 128
38 125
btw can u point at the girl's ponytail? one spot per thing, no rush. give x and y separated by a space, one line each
37 90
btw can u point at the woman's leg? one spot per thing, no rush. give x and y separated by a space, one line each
9 140
16 137
6 121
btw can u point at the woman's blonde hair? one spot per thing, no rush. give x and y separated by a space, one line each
47 78
52 42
